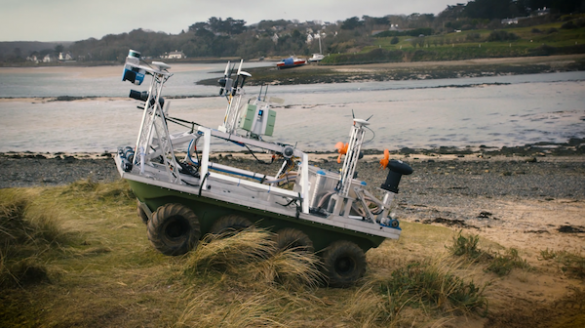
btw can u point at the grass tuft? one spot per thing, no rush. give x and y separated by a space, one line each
29 272
429 285
27 230
547 254
253 256
229 254
206 310
502 264
465 246
571 264
368 307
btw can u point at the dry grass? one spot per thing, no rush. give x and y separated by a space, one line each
572 264
253 258
27 231
92 265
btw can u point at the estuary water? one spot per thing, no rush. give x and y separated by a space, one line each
493 111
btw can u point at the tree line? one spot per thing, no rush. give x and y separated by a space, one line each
231 37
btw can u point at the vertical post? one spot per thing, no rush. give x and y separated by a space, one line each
305 183
144 116
205 156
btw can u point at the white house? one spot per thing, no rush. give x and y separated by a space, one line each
47 59
65 56
176 55
509 21
33 59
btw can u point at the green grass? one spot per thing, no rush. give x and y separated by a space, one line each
457 46
502 264
497 262
425 283
466 246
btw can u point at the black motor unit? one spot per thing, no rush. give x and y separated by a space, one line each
142 96
397 170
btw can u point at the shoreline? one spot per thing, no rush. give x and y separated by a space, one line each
316 74
400 71
517 201
571 148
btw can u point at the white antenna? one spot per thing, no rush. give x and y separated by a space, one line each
226 69
240 68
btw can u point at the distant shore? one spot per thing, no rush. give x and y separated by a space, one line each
315 74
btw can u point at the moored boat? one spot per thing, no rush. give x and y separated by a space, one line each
290 62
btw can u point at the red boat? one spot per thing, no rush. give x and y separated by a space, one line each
290 62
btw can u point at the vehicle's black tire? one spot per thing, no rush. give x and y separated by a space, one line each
294 239
141 212
344 263
229 225
174 229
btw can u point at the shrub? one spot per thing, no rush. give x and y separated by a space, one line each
502 36
413 32
569 25
472 37
573 264
465 246
547 255
394 40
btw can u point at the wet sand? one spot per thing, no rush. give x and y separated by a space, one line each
88 72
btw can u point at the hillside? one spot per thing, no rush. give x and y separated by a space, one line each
477 29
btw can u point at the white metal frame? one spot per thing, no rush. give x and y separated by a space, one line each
154 142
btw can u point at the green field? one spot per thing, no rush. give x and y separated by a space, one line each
540 40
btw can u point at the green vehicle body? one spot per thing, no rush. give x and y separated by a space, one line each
208 210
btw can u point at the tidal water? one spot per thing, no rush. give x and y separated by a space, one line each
493 111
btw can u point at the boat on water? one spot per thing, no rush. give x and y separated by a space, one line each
182 198
316 58
290 62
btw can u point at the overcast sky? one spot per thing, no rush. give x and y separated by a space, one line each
73 20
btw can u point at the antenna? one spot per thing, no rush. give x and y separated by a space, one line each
240 68
232 69
369 117
226 69
265 92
